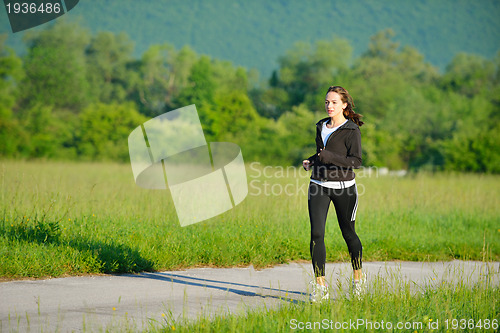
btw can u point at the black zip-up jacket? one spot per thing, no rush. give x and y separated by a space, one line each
342 153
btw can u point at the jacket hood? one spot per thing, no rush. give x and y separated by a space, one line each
348 125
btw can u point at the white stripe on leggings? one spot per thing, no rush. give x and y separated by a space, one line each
353 216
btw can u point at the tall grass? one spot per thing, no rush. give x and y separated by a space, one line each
389 305
74 218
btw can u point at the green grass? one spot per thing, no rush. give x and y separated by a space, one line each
449 307
61 218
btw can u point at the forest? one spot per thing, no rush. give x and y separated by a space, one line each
254 34
76 95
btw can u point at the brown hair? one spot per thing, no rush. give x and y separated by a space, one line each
346 98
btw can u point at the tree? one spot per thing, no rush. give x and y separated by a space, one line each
104 129
157 79
11 73
50 133
200 88
469 74
306 71
108 56
389 85
233 118
164 72
472 145
298 131
55 67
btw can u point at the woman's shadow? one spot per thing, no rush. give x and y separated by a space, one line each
232 287
112 258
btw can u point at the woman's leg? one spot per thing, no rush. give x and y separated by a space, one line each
346 204
318 203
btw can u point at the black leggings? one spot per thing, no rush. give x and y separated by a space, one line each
346 203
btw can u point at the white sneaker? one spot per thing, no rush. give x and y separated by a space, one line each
359 287
319 292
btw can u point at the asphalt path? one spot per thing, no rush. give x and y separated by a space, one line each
139 301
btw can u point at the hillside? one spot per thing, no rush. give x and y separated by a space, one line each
255 34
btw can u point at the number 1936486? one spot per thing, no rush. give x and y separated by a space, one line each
485 324
33 8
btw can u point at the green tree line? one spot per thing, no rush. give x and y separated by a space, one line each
77 96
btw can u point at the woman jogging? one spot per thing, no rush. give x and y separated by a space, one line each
338 152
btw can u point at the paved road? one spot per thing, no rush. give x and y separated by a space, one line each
94 303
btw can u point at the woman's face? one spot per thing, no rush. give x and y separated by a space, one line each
333 104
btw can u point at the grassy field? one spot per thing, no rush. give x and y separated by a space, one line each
60 219
389 306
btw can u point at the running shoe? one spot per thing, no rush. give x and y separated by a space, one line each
359 287
319 293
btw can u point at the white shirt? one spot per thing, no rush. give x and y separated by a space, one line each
326 132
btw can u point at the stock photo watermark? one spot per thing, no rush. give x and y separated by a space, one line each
291 180
365 325
204 179
26 14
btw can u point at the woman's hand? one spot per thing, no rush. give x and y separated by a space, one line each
325 156
306 164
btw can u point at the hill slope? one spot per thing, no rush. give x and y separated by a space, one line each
255 33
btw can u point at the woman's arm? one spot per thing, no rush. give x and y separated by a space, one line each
353 157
